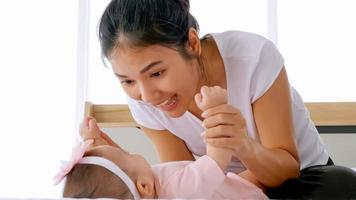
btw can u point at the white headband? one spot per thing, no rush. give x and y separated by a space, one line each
109 165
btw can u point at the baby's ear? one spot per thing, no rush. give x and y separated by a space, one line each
146 187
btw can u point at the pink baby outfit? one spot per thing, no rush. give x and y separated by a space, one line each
201 179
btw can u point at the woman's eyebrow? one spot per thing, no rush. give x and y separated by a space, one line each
145 69
120 76
148 67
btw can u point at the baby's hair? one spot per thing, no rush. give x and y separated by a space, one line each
93 181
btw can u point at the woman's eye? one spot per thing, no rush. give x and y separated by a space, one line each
127 82
157 74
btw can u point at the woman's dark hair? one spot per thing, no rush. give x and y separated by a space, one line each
146 22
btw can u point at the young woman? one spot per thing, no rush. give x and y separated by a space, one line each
154 49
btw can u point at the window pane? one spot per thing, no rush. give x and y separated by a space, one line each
223 15
317 39
212 16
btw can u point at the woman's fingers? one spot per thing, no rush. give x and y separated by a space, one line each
222 131
236 144
223 108
225 128
223 119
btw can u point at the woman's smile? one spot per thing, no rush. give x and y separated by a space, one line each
169 104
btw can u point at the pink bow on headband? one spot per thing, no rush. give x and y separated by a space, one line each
77 154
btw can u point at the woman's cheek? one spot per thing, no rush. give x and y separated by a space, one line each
132 92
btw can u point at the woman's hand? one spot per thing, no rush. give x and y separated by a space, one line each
226 128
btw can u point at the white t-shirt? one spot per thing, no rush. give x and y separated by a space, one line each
252 63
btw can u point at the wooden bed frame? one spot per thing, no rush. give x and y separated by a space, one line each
329 117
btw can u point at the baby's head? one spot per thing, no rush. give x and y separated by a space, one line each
94 181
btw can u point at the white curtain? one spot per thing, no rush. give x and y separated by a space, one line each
38 61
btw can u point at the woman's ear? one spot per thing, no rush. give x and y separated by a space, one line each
193 44
146 187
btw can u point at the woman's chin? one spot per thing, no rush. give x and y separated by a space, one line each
175 114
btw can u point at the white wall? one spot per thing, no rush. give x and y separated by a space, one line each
342 148
38 88
134 141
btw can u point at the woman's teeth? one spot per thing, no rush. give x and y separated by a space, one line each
162 104
168 102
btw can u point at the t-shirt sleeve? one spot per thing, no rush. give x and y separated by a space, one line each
199 179
268 66
144 115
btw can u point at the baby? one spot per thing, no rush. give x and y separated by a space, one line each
100 168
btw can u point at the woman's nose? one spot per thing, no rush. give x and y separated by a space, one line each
149 94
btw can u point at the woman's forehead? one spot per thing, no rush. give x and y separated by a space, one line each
140 52
137 59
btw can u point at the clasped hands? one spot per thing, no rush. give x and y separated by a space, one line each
225 125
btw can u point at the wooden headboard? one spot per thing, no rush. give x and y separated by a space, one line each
329 117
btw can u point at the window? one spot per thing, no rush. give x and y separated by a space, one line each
317 40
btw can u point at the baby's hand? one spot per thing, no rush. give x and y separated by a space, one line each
90 130
210 97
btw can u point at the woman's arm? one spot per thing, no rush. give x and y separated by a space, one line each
168 146
276 158
273 160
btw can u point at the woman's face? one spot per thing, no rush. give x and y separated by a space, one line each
157 75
